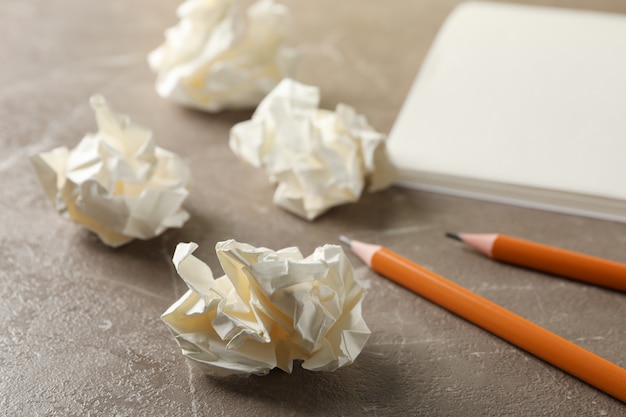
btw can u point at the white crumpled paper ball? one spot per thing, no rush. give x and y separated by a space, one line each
319 158
116 182
269 309
218 58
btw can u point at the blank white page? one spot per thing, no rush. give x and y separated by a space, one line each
524 95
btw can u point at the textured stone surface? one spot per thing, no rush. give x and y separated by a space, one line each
80 332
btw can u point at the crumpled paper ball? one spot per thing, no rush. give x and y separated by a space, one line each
116 182
216 58
269 309
319 158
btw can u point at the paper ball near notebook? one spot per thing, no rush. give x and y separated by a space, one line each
319 158
268 309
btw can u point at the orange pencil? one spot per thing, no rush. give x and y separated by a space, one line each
503 323
548 259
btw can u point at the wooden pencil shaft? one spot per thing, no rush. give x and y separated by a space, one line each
503 323
560 262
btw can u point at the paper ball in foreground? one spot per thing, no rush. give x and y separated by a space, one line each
269 309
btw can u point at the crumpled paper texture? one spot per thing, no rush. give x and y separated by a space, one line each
217 58
319 158
117 182
269 309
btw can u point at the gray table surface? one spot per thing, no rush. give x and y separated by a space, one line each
80 331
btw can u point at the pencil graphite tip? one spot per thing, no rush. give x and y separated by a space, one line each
453 236
346 240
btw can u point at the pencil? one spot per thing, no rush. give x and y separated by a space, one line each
545 258
503 323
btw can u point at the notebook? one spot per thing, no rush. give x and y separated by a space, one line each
523 105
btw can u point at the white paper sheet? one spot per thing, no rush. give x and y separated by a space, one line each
216 58
117 182
269 309
522 105
319 158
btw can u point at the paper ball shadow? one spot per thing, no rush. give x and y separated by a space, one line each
371 211
226 118
369 383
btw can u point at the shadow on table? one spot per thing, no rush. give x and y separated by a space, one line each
225 118
369 386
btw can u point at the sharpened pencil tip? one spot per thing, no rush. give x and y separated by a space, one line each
453 236
346 240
